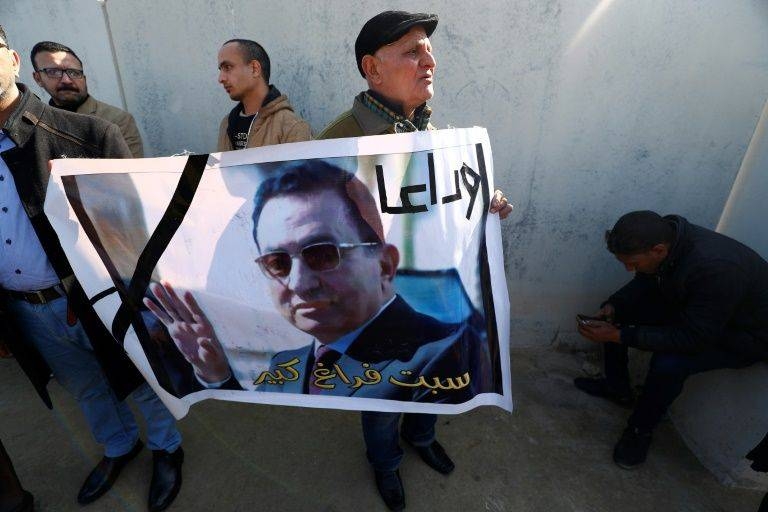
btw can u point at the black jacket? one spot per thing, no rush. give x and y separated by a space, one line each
715 290
42 133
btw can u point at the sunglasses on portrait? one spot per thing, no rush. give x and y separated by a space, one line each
320 257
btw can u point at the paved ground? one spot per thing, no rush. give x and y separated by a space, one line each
552 454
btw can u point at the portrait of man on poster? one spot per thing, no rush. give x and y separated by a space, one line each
331 274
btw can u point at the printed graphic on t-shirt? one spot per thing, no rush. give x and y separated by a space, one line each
240 131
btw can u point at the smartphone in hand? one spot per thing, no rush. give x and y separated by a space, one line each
587 320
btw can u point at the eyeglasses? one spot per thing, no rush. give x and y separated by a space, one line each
320 257
72 73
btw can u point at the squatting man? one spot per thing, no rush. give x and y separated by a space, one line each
698 301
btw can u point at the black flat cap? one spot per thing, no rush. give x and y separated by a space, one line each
387 27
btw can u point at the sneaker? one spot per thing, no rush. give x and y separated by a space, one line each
632 448
603 389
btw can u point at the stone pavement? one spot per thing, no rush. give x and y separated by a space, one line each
552 454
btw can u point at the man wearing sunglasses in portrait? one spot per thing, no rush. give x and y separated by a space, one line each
330 274
59 71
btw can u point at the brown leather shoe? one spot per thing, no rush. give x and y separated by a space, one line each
5 352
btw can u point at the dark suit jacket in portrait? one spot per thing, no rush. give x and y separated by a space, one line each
400 344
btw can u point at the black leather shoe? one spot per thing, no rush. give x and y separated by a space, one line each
434 456
601 388
104 475
632 448
391 489
166 478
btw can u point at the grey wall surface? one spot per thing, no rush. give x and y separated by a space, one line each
594 107
720 415
745 211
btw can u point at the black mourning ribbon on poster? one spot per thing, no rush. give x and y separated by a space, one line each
485 270
158 242
132 295
130 310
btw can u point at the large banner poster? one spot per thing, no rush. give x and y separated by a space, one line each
361 273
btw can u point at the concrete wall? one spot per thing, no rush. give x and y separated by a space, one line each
745 211
722 415
594 107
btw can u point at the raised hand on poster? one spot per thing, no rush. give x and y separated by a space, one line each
500 204
191 331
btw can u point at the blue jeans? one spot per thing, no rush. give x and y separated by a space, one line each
70 356
380 431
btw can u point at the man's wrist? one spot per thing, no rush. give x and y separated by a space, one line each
213 382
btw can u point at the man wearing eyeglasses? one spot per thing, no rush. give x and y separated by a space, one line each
45 316
59 71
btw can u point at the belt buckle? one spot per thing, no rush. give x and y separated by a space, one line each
40 297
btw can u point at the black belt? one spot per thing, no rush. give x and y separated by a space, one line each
37 296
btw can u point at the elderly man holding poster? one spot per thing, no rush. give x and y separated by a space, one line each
394 55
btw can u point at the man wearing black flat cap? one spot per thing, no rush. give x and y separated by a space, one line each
394 55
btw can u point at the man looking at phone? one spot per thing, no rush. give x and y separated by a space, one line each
698 302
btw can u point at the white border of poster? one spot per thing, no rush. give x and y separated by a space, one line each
206 252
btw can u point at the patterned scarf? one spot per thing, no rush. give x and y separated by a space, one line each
402 124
